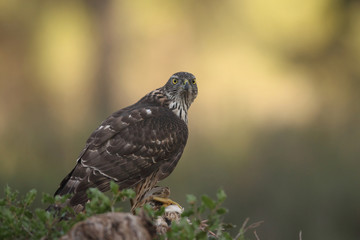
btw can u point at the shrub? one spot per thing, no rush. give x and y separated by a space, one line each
203 218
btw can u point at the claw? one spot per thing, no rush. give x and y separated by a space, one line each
166 201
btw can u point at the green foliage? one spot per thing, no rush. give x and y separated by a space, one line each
19 221
202 220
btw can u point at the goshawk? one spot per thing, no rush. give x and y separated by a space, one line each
136 146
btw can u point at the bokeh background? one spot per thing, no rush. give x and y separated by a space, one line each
276 121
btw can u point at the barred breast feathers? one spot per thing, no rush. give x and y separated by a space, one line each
179 106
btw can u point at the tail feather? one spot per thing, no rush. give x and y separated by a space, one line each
63 188
78 181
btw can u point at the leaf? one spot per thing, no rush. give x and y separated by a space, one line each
191 199
10 195
226 236
201 208
201 235
61 199
47 199
129 193
28 214
42 215
208 202
187 213
30 197
7 190
160 212
221 211
114 187
221 195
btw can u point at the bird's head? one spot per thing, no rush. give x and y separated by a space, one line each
182 88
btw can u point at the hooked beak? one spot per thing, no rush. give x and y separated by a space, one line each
186 85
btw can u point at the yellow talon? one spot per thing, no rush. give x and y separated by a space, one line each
166 201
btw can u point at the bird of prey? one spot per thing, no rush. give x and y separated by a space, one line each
136 146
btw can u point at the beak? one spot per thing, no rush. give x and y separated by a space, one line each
186 85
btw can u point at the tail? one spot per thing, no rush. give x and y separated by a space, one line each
77 182
62 190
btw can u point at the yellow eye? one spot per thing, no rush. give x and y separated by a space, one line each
193 81
174 81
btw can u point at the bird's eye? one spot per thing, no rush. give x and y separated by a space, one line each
174 81
193 81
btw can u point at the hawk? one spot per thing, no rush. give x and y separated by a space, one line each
136 146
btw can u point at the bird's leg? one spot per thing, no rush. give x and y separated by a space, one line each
156 197
165 201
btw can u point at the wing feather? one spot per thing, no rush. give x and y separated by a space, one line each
127 147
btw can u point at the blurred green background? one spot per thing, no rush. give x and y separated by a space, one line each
276 121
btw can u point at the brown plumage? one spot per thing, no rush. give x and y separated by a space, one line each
136 146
